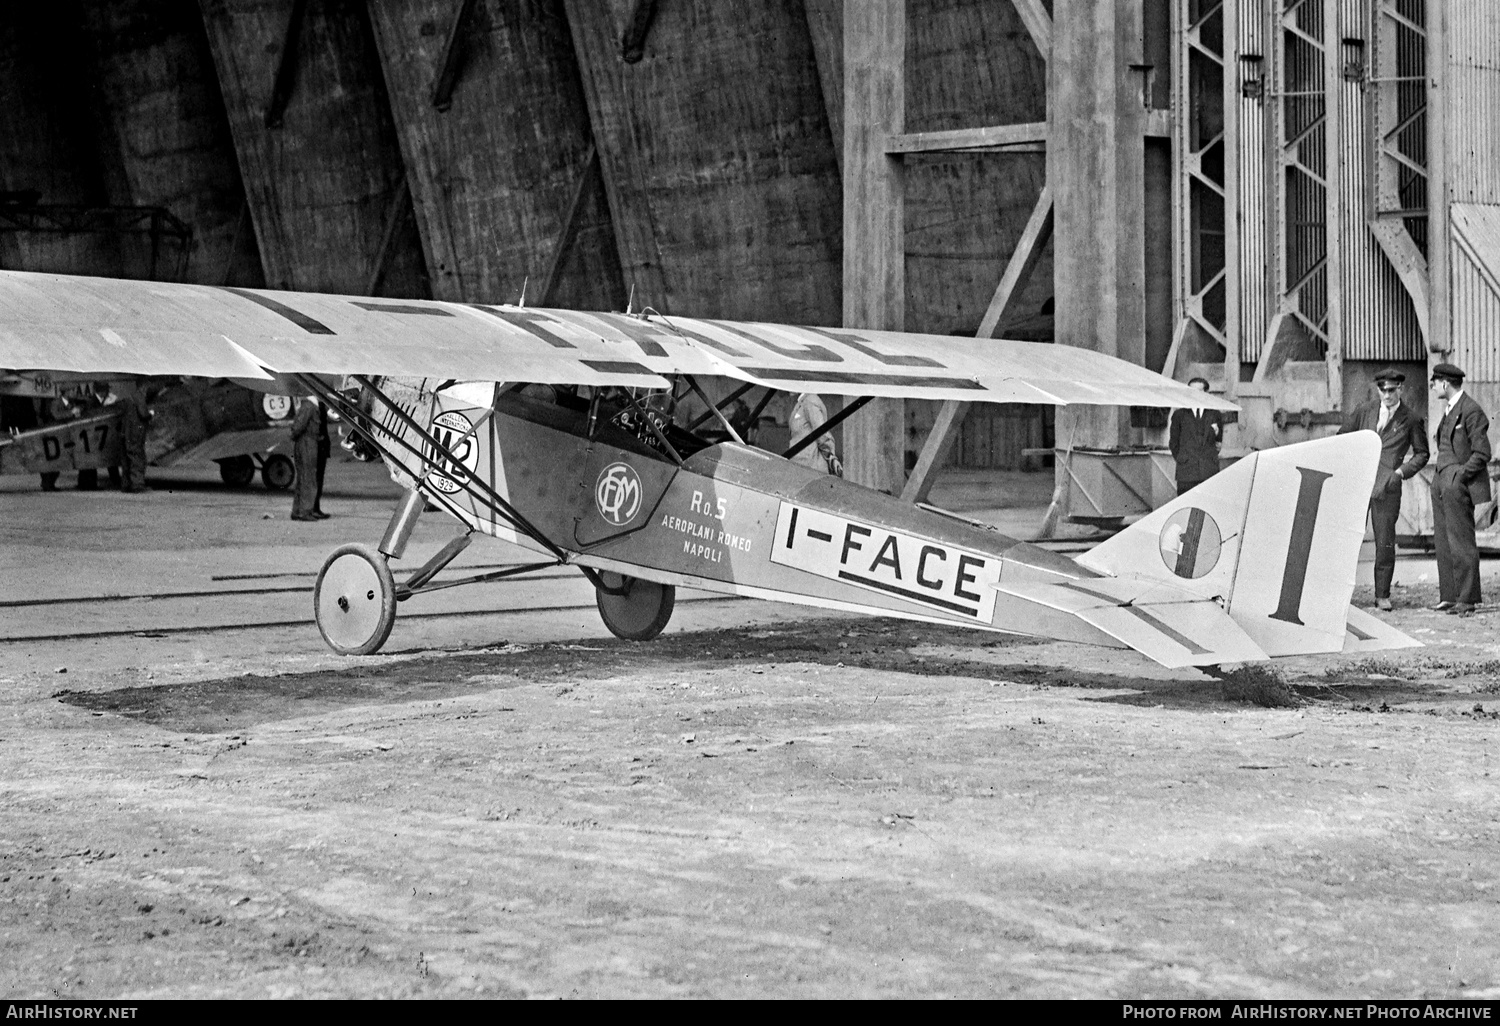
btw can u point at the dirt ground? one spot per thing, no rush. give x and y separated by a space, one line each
762 803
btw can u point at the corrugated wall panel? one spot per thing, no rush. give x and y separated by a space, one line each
1250 155
1474 255
1476 319
1473 86
1379 319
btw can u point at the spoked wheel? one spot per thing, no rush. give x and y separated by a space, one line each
278 472
641 612
237 471
355 600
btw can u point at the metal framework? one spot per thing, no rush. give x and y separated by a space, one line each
1203 210
1399 109
154 223
1302 193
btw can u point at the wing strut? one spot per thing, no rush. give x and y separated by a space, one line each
731 397
827 426
693 384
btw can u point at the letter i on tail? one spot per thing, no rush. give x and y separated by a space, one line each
1274 541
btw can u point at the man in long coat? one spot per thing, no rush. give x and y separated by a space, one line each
1194 439
1462 481
1401 430
306 436
325 448
134 417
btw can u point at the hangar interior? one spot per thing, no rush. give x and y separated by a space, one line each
1280 195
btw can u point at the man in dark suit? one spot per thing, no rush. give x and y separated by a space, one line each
1194 440
1400 429
309 430
1461 482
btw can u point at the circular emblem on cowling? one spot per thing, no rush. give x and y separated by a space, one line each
277 407
449 467
1190 543
618 493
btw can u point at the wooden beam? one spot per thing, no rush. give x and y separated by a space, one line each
825 26
1034 16
633 39
570 225
950 417
624 156
874 220
1011 138
286 67
453 58
393 219
951 414
1022 262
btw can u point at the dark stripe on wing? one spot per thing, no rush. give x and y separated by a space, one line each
405 308
297 317
616 367
855 378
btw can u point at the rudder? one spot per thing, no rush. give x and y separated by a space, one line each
1274 539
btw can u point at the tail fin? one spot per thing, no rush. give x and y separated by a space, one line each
1274 539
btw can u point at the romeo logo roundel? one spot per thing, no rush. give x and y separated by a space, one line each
618 494
451 465
1190 543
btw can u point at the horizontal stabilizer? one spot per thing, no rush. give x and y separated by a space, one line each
1171 626
1368 633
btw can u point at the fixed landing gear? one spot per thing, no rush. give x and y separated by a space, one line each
237 471
642 609
277 472
354 601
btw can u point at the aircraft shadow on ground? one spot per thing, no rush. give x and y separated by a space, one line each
234 703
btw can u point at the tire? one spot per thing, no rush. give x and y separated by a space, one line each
641 613
354 601
237 471
278 473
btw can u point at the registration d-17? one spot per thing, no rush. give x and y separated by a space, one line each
933 574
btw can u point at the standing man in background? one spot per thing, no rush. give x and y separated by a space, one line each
1462 481
1194 439
134 418
324 449
1400 429
809 414
309 435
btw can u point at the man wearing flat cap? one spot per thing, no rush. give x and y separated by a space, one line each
1400 429
1461 482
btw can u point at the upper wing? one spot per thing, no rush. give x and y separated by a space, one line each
55 322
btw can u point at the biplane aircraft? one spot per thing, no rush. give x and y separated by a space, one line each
193 421
546 428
